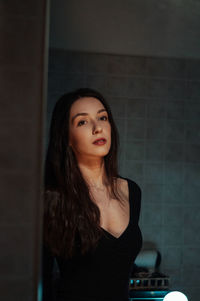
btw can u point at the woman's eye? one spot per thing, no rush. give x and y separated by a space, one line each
104 118
81 122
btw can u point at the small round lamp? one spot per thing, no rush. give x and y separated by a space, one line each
175 296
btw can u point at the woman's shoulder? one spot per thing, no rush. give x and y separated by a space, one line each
132 185
134 192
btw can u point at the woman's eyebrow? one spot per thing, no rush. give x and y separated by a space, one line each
78 114
86 114
102 110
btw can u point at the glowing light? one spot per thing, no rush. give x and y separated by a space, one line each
175 296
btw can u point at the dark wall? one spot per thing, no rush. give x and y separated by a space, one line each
156 105
22 31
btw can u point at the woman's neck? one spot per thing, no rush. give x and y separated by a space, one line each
94 173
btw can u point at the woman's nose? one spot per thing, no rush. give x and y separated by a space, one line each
96 128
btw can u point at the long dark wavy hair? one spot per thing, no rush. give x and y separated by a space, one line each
71 218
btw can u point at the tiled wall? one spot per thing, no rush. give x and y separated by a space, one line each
156 105
21 123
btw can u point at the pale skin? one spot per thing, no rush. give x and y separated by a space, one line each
89 122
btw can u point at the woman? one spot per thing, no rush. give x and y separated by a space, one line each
91 213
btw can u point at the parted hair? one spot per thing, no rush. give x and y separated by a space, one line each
71 217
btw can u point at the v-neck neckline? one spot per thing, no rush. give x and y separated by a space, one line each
125 230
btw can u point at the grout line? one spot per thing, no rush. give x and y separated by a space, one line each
164 173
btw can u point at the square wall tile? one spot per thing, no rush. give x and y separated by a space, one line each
175 131
165 67
190 276
152 193
152 214
172 235
117 86
133 170
154 151
135 150
174 174
167 88
136 87
96 63
174 152
192 131
136 108
135 65
194 89
192 174
116 64
156 109
193 69
172 257
191 222
152 235
153 173
177 89
157 87
191 257
173 193
117 106
173 215
97 82
192 153
135 129
192 110
154 129
191 194
175 110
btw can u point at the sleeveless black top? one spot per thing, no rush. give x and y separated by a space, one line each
101 275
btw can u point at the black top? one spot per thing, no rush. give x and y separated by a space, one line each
101 275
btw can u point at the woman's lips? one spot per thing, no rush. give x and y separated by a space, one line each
100 141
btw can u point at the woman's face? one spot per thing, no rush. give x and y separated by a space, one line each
89 129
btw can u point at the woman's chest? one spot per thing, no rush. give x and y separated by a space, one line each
115 217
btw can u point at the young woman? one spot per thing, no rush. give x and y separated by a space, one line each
91 213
